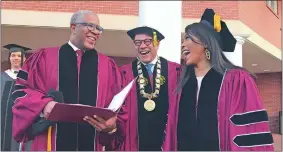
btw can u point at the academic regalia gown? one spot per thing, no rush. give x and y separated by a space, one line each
4 78
7 142
56 68
155 130
229 114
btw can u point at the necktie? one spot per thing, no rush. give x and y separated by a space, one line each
79 59
16 72
149 68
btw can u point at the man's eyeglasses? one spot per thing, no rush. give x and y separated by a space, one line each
147 42
92 27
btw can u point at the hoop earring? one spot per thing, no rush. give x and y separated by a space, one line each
207 54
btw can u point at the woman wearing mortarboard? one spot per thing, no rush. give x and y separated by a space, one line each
220 107
16 59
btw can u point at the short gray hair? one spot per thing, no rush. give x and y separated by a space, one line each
79 16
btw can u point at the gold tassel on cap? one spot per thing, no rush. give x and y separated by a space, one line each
154 38
217 23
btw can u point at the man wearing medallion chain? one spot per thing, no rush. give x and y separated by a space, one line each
151 117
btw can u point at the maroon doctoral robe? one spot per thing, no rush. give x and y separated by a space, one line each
56 68
228 116
155 130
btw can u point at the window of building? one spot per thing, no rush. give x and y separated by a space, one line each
272 4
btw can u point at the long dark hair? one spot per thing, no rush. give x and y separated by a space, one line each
211 39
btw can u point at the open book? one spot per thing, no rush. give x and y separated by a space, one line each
76 112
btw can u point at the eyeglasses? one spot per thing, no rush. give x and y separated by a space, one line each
92 27
147 42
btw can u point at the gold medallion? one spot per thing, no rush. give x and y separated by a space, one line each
149 105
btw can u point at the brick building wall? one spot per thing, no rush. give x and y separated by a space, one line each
251 13
259 17
191 9
194 9
270 88
100 7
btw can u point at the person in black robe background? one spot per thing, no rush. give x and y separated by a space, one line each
17 55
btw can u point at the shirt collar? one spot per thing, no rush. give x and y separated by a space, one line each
152 62
73 46
13 71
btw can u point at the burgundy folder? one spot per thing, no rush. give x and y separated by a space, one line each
76 112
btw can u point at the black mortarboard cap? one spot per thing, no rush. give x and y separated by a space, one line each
145 30
228 43
16 48
208 17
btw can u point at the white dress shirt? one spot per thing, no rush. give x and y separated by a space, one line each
73 46
152 62
11 73
199 79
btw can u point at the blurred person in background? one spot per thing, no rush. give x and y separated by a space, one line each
17 55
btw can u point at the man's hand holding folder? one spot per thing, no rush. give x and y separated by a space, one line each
48 108
102 125
103 119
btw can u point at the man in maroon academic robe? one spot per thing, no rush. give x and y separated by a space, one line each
151 102
81 75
